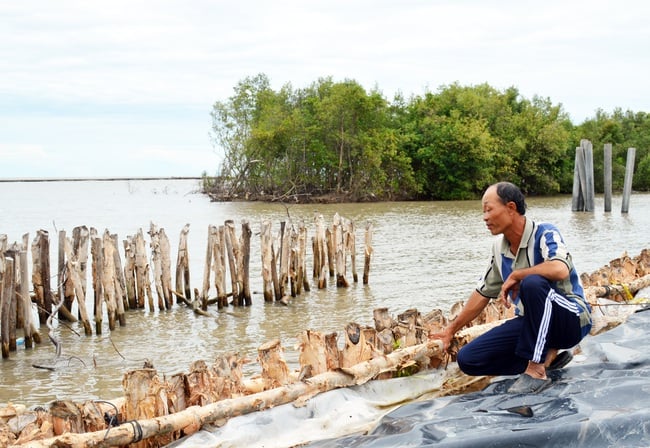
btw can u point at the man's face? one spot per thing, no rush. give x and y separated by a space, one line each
496 215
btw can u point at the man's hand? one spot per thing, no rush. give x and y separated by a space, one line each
510 289
445 336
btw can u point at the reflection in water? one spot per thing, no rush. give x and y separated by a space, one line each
426 255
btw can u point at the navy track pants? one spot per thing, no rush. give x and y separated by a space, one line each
550 321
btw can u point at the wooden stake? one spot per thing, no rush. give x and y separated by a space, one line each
182 266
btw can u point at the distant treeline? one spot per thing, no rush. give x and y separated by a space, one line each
335 139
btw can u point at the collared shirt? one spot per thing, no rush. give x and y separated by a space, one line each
540 242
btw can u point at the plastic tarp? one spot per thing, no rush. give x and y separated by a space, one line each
602 398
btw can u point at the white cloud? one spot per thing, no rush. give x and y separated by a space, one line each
108 69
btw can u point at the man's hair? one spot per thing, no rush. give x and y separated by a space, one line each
509 192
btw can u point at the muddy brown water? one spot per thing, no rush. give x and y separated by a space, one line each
426 255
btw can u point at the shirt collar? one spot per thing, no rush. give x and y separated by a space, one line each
525 237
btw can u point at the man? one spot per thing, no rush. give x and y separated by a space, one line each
531 268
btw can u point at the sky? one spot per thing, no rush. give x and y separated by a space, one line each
125 88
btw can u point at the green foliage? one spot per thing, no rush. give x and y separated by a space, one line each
337 138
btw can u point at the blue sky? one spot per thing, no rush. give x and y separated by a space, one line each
125 88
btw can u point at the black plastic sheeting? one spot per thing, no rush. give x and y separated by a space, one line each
600 399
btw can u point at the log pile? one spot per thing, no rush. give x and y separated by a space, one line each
143 276
156 410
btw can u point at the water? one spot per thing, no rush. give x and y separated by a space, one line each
426 255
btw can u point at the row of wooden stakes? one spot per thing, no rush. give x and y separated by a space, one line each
140 278
156 410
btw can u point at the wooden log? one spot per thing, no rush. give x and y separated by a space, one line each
220 267
156 260
267 260
30 331
321 243
120 280
232 250
66 417
338 238
624 290
285 250
274 368
358 347
63 288
80 243
351 248
129 272
302 251
207 267
146 397
98 283
244 269
143 272
331 252
108 280
409 328
367 253
607 177
41 275
7 298
165 251
183 285
627 182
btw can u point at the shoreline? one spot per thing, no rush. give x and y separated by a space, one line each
93 179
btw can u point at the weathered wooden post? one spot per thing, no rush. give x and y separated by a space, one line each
368 253
244 270
267 260
183 286
22 292
142 272
232 249
98 273
322 252
589 173
41 274
607 176
338 240
157 260
120 281
8 307
627 184
351 248
80 253
583 186
219 253
577 199
129 272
